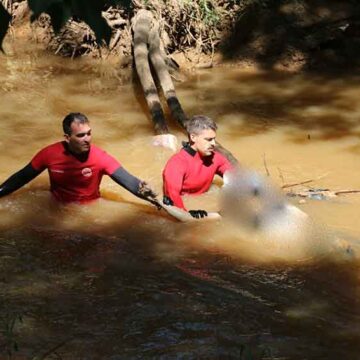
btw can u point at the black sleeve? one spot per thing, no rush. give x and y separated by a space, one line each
18 180
126 180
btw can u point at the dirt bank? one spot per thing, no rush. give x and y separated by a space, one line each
288 34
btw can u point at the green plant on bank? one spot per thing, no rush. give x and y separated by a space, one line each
208 12
207 8
204 9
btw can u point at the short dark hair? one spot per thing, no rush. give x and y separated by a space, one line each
70 118
198 123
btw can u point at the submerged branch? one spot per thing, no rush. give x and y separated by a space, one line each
285 186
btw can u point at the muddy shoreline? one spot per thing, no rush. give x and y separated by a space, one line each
288 35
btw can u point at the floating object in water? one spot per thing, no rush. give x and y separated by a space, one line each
321 194
252 200
254 203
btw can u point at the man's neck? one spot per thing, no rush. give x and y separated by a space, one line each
189 149
83 156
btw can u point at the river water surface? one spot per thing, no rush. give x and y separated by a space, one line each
118 279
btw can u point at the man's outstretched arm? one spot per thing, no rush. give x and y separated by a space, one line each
19 179
136 186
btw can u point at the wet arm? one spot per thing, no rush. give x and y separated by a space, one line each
19 179
133 184
126 180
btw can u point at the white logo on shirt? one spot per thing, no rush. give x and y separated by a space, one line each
86 172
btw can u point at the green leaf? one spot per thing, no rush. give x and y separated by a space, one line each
4 24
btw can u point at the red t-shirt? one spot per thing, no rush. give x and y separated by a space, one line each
188 173
70 178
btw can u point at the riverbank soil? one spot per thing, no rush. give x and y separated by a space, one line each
290 35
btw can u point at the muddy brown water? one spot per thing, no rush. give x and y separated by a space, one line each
119 280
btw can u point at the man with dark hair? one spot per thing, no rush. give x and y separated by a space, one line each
76 167
192 170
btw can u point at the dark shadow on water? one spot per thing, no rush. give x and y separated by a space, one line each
82 295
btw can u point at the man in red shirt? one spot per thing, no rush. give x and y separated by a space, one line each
76 167
192 170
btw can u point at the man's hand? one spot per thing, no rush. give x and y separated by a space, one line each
198 214
147 193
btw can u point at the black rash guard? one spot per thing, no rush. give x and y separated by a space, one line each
18 180
126 180
134 185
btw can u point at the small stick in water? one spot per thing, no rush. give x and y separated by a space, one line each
265 165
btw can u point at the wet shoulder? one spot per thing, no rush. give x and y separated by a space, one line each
184 156
54 148
103 159
97 151
179 159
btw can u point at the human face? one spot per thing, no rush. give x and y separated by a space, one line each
80 138
204 142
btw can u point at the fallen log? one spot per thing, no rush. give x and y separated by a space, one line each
142 23
158 61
